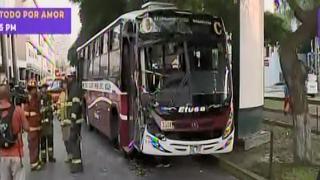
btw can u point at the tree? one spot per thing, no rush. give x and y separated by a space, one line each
94 16
295 75
275 28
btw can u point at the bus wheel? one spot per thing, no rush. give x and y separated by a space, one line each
120 148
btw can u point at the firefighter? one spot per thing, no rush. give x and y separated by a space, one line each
32 113
46 125
74 113
64 121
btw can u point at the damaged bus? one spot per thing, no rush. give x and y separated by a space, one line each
158 80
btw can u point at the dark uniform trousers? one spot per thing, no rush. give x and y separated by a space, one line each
75 115
46 144
46 141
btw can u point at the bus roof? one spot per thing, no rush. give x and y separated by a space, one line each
148 7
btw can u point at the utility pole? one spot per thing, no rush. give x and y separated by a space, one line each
4 67
14 60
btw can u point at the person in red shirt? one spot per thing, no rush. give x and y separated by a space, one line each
11 167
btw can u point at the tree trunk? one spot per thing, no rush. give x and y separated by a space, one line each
295 76
302 139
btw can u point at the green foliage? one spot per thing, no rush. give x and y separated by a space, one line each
94 16
274 28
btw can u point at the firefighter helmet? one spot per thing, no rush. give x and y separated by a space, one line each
32 83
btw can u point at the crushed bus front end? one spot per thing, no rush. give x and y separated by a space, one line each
186 74
189 134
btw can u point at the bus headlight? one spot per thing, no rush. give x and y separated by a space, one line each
229 127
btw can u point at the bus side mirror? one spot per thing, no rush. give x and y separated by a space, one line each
145 99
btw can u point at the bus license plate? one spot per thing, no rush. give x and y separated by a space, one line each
195 149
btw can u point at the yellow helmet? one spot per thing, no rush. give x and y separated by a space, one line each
32 83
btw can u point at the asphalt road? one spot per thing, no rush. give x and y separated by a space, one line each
103 162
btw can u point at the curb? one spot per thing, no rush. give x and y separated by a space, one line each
281 111
284 125
236 170
310 101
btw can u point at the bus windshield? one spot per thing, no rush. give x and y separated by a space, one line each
200 72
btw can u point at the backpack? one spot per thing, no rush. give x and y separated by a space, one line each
7 138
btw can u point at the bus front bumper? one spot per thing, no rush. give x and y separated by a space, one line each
153 145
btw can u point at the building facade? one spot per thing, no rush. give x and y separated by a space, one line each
35 54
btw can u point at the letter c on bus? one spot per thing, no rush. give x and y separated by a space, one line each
217 28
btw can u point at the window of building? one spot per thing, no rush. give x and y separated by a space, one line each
9 48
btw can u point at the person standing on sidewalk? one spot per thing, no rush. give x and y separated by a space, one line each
286 105
12 117
32 112
64 121
46 125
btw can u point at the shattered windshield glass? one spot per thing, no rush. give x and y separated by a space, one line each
194 74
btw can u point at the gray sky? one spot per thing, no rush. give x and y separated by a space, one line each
63 42
76 25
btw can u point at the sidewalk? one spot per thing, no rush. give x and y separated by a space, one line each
277 106
273 110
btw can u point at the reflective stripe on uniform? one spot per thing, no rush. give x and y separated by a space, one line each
35 129
79 121
26 113
76 161
65 122
33 165
66 104
76 100
45 120
42 110
43 151
73 115
50 149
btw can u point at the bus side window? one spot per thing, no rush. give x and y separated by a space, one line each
85 64
104 64
91 56
96 62
115 57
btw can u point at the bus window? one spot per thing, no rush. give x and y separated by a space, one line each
96 62
104 63
115 41
114 74
105 42
90 72
101 38
97 47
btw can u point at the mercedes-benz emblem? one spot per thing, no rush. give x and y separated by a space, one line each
195 125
